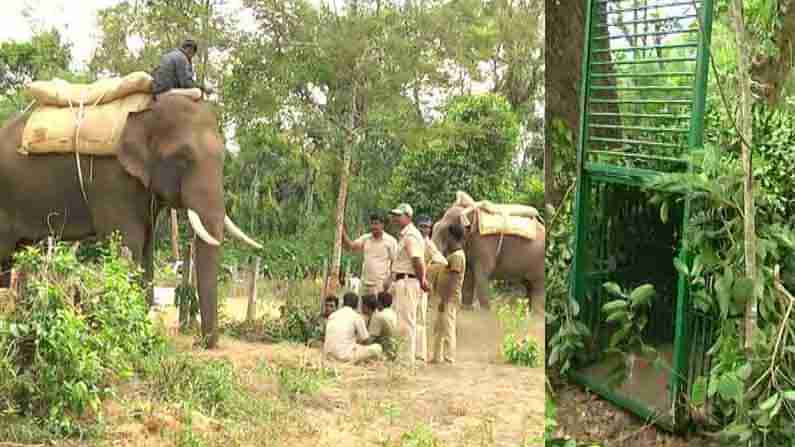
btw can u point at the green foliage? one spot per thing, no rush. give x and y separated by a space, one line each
473 150
207 384
744 388
629 312
76 329
187 301
43 57
420 436
298 380
517 348
564 332
298 323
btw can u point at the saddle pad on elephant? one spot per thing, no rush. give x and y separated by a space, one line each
55 130
506 224
65 94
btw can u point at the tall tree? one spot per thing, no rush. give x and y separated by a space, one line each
335 75
45 56
745 127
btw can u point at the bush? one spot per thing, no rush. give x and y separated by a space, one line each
517 348
76 329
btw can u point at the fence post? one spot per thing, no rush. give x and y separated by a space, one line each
187 256
324 284
252 294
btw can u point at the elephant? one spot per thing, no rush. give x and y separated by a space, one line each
514 258
170 155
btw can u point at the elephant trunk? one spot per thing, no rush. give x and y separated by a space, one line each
209 227
207 258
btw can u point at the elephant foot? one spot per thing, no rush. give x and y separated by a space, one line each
467 307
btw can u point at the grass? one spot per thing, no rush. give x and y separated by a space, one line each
188 397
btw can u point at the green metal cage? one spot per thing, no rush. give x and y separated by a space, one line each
645 67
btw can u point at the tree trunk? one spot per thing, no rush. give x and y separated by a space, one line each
251 311
342 198
771 72
746 132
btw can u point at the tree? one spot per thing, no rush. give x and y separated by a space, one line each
45 56
745 126
472 151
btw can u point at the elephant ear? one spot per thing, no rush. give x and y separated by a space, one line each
133 151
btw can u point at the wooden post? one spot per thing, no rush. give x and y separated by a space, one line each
186 281
174 234
323 285
251 312
50 247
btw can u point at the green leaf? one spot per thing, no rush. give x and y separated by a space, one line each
613 288
664 212
699 393
616 316
641 295
744 372
681 267
769 403
730 388
723 293
743 289
789 395
619 336
614 305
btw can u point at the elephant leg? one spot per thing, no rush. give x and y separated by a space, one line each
535 296
7 245
468 292
481 279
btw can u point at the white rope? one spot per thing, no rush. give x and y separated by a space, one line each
28 107
81 112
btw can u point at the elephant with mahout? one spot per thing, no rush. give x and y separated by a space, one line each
170 155
513 258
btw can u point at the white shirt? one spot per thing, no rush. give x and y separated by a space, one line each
344 328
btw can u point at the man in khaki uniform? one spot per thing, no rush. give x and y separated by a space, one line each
434 262
383 323
379 249
345 331
408 279
451 282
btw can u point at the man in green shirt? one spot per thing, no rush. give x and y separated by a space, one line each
450 281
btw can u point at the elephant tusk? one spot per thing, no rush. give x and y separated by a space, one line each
238 233
196 223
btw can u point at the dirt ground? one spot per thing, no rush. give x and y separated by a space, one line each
479 401
593 421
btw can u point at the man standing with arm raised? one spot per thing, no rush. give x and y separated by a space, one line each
379 249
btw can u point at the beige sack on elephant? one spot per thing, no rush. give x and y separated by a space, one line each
62 93
505 219
52 130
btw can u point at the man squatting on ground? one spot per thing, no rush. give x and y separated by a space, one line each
347 338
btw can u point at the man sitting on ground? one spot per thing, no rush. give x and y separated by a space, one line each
329 307
345 330
383 324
